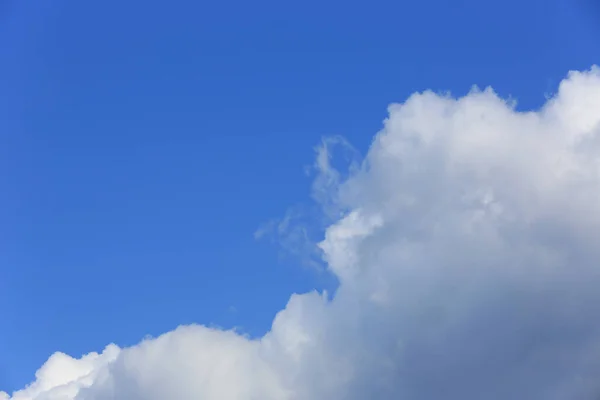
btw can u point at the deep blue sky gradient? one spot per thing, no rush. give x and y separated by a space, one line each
143 142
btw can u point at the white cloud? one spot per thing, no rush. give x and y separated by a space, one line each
468 266
62 376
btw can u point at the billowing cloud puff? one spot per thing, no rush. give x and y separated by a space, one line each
468 262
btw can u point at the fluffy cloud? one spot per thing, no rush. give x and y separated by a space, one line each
468 264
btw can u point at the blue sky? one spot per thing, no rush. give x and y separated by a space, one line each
142 144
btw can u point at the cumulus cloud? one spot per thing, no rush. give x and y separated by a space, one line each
468 265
